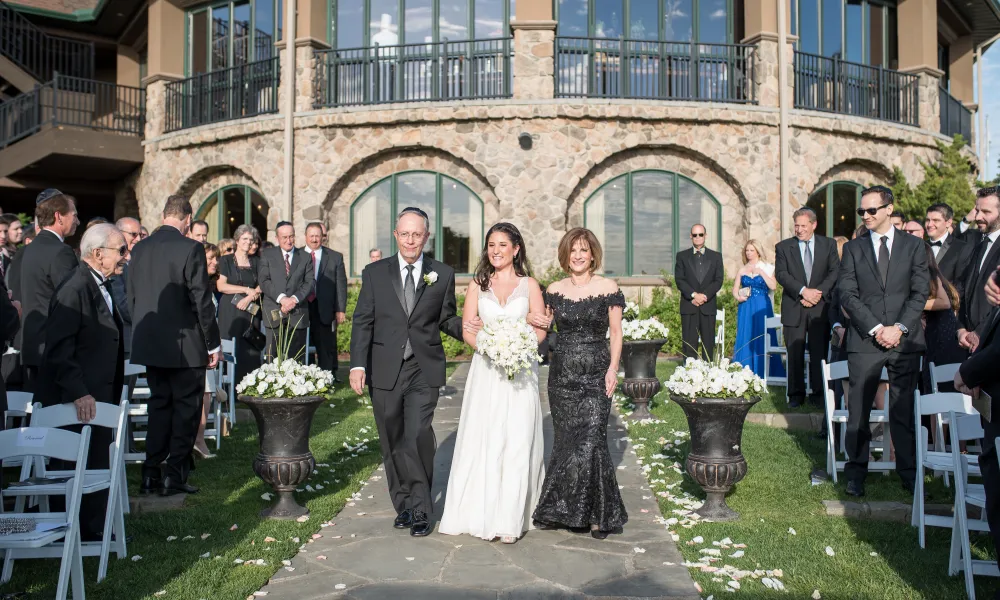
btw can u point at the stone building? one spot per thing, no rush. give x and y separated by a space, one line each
636 118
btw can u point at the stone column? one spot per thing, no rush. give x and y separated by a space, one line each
156 109
928 100
534 30
761 18
305 73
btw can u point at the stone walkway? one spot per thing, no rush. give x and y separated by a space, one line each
371 560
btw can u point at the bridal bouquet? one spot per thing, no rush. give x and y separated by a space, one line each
723 379
509 344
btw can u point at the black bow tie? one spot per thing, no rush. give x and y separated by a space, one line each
938 244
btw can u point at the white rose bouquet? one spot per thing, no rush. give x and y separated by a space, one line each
724 379
510 344
286 379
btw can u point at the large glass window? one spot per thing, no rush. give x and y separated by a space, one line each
707 21
455 212
836 207
393 22
860 31
231 34
642 217
226 209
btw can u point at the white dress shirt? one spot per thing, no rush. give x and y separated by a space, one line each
104 291
937 249
990 240
877 244
418 266
811 244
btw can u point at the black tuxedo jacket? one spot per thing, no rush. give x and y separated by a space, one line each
974 307
953 259
980 370
273 282
119 290
381 327
690 281
47 262
170 300
791 274
84 347
901 299
331 285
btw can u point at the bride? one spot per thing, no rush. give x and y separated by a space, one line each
497 471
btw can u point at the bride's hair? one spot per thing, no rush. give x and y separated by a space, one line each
485 269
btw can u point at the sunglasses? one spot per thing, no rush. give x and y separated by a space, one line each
870 211
912 231
121 250
698 235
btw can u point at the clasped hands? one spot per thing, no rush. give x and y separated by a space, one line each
888 337
810 297
698 298
288 304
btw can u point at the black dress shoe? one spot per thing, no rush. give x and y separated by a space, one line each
403 520
421 525
149 486
794 402
855 488
172 486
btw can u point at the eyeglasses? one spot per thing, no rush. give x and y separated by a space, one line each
122 251
912 231
698 235
134 234
870 211
410 235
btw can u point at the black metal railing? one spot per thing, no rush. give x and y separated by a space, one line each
74 102
40 54
621 68
956 119
234 93
834 85
465 70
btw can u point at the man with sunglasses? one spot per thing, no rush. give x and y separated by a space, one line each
85 352
698 273
884 283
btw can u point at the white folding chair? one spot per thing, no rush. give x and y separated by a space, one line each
720 330
966 428
111 479
310 349
51 528
833 414
138 412
937 461
229 376
19 405
778 349
942 374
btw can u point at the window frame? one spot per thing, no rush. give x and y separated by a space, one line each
661 5
675 213
216 199
366 19
439 178
886 5
828 190
189 16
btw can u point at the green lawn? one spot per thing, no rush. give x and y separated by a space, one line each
776 495
230 495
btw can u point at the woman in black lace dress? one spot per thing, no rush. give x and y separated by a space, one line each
580 489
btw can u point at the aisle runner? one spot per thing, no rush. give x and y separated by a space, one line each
362 556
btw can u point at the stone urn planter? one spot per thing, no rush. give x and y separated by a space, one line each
641 384
284 460
716 461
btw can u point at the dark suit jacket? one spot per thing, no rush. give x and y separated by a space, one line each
10 324
273 282
980 370
974 307
84 349
900 300
381 327
170 299
119 290
331 285
688 281
970 236
791 274
953 259
47 262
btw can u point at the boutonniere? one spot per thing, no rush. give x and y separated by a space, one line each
430 278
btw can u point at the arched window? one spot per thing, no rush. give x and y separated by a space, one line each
643 219
836 207
455 212
227 208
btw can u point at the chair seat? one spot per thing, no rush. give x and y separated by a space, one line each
92 482
975 495
939 461
35 539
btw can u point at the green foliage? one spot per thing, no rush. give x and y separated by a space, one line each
550 276
949 180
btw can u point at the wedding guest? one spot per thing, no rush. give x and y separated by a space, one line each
14 232
211 375
698 272
94 221
255 247
239 310
940 323
968 229
985 259
580 489
914 228
754 283
286 279
199 231
374 255
897 218
328 300
144 233
227 246
6 252
951 253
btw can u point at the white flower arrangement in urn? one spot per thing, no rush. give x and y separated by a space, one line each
284 376
715 379
635 329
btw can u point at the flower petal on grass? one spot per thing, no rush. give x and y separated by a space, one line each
816 595
234 527
829 551
136 558
791 531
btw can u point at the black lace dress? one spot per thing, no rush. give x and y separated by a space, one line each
580 487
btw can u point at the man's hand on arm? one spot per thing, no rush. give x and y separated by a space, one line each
357 378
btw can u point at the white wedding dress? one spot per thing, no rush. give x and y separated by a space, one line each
497 469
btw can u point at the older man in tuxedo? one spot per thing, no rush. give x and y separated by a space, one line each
328 301
85 352
884 283
286 277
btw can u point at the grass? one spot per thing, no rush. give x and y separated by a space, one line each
230 495
776 495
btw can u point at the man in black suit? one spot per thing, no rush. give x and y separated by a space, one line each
968 231
806 267
286 279
129 228
973 309
47 262
884 283
978 375
328 301
698 273
176 337
406 301
952 254
85 353
10 323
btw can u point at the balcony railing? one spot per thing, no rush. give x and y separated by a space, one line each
834 85
234 93
465 70
74 102
955 117
620 68
40 54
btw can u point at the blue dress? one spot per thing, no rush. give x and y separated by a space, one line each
749 347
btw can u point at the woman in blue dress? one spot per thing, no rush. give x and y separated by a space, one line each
752 288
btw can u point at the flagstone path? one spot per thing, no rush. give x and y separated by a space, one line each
371 560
